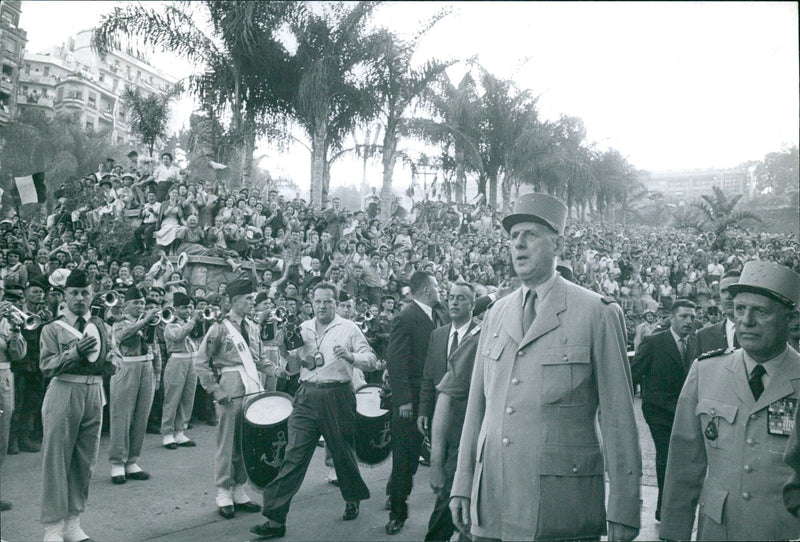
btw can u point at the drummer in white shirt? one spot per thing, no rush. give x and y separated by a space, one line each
324 404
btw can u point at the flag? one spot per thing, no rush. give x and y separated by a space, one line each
30 189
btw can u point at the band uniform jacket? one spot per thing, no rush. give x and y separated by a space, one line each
734 469
436 362
661 370
529 458
59 356
406 351
711 338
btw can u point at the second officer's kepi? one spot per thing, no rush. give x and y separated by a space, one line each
769 279
541 208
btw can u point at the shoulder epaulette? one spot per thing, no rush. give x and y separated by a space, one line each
608 300
475 331
712 354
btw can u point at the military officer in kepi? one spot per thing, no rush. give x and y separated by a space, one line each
551 354
733 421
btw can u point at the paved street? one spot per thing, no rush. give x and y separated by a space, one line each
177 504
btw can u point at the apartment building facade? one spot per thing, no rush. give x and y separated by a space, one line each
12 48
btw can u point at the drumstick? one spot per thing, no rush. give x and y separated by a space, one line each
240 396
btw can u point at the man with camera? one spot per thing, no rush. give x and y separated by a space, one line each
324 404
227 364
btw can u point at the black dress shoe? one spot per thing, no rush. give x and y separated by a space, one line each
350 511
187 444
118 480
265 530
247 507
394 526
141 475
388 504
5 506
153 430
171 446
227 511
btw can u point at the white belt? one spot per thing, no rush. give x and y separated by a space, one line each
5 365
232 369
80 379
133 359
181 355
250 387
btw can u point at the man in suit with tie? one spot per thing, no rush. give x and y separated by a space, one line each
722 334
405 361
733 422
444 343
660 365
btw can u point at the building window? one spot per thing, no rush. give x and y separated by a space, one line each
102 78
92 101
89 125
46 71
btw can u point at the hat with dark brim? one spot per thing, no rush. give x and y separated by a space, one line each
239 287
769 279
537 207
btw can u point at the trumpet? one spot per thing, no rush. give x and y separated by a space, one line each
22 318
111 298
167 315
363 321
210 314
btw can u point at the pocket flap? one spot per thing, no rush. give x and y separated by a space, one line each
565 354
713 408
712 502
495 349
570 461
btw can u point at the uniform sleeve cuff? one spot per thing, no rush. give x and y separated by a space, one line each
624 510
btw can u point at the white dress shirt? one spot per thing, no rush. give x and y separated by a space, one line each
462 332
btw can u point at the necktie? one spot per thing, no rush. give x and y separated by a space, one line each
244 332
682 343
80 324
756 384
453 344
528 311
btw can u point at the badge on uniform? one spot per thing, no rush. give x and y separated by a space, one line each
711 431
780 417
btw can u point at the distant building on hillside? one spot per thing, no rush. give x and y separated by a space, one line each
12 47
74 80
691 184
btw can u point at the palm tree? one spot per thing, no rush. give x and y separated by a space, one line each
720 215
148 113
246 71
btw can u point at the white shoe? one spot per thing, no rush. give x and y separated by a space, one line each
180 438
73 531
117 470
54 532
331 476
240 496
224 497
168 439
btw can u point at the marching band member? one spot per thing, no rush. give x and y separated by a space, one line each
132 389
72 411
12 348
227 363
180 379
324 404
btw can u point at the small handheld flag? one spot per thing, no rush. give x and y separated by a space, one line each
30 189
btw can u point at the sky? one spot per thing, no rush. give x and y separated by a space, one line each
671 86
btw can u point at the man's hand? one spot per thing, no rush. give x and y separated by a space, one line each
618 531
157 383
86 346
221 398
406 411
422 424
459 509
342 353
148 315
437 477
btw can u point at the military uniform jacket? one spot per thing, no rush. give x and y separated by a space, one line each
734 470
59 356
529 457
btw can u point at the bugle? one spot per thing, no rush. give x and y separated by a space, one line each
22 318
111 298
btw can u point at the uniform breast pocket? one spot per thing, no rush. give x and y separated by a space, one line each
716 421
491 360
566 376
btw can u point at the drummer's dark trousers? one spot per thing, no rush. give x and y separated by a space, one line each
330 411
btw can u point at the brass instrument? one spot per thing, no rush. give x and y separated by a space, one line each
210 314
363 321
111 298
167 315
21 318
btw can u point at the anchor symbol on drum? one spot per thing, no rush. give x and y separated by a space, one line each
277 449
386 436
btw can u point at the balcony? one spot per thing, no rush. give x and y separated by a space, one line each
6 84
49 80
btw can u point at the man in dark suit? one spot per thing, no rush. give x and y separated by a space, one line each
722 334
661 364
405 361
41 267
444 342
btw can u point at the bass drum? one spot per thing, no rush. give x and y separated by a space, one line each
373 426
264 434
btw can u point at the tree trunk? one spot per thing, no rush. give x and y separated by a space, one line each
247 152
506 189
389 160
317 165
461 176
236 115
326 177
492 200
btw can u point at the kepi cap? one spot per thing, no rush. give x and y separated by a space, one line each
769 279
538 207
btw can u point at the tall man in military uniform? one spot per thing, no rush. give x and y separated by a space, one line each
132 388
550 354
227 364
734 419
180 378
73 409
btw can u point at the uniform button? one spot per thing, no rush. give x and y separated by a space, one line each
574 469
565 357
521 353
746 496
506 442
753 416
750 442
496 334
748 468
713 411
509 410
515 381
